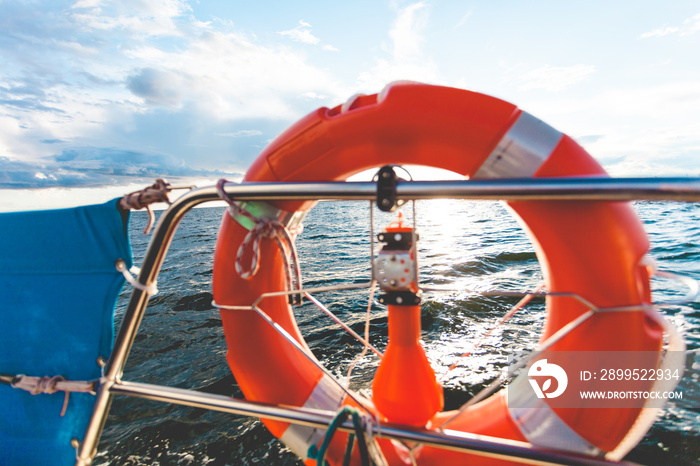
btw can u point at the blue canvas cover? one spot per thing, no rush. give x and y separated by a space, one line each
58 289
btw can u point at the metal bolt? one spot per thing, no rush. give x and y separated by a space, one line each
120 265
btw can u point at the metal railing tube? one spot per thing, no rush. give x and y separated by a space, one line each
521 189
453 440
113 369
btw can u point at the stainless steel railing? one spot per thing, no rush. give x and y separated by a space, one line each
531 189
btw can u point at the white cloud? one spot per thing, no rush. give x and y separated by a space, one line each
407 32
86 4
160 8
146 18
146 75
636 131
660 32
314 96
243 133
548 77
407 59
76 47
463 20
301 33
229 77
690 26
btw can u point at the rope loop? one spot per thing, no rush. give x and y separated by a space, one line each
120 265
46 385
264 228
50 385
157 192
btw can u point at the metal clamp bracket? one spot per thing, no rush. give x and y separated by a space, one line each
401 298
395 268
386 189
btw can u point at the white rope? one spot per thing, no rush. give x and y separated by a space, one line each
137 200
345 327
50 385
318 289
370 424
121 267
287 336
264 228
366 339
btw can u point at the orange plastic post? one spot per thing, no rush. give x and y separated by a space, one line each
405 389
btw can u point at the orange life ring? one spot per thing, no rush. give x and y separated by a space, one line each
594 249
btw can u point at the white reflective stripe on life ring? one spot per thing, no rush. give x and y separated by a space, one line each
327 396
522 150
540 425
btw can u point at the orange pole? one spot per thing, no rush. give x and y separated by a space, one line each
405 389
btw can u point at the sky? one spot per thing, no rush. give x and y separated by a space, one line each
99 98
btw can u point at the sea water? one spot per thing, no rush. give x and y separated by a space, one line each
466 248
